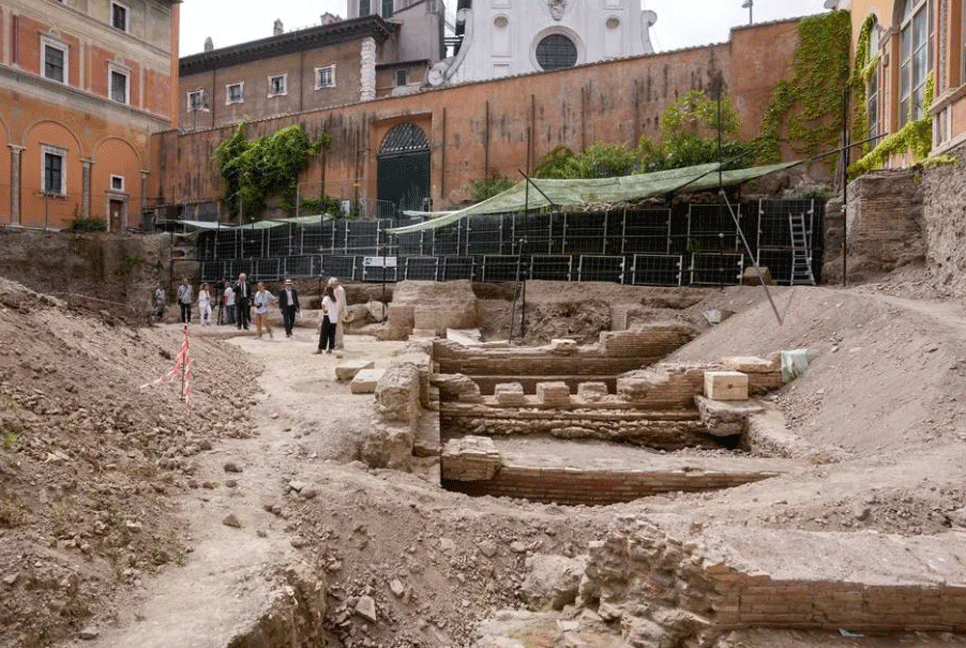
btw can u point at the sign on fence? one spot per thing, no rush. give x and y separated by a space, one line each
379 262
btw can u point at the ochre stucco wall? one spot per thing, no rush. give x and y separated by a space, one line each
505 125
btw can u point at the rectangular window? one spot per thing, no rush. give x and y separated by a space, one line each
235 93
120 88
119 16
915 48
402 77
55 180
196 100
387 6
55 61
276 85
365 7
117 183
325 77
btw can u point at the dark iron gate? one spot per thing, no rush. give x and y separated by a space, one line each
403 171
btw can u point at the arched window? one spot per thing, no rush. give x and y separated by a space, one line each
915 53
872 92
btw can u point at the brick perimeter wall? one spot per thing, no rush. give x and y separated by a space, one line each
572 486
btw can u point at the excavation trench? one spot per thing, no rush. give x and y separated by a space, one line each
586 425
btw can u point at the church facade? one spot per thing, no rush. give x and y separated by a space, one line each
500 38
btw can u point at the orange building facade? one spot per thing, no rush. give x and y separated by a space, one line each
83 86
911 41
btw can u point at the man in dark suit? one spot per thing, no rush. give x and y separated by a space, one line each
288 303
243 302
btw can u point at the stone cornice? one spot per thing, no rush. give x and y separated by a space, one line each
289 43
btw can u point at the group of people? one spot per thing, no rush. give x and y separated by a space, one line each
236 303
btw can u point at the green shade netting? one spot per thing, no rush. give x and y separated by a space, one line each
574 193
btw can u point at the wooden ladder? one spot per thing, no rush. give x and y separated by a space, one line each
801 255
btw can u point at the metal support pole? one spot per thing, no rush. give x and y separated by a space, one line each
845 187
516 290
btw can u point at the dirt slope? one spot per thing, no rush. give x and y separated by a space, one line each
88 462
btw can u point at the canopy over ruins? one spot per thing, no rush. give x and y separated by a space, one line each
539 194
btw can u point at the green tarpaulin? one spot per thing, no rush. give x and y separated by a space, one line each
574 193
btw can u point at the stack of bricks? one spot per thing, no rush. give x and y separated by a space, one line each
554 394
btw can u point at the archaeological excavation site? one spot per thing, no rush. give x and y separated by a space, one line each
583 464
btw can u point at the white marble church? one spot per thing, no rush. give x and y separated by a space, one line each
499 38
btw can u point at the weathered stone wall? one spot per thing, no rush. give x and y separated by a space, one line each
944 191
884 225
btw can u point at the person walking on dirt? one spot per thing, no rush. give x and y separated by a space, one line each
243 296
220 293
228 295
330 315
288 303
339 296
260 301
159 300
204 305
185 297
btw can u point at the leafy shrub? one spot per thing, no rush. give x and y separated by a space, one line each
88 225
490 186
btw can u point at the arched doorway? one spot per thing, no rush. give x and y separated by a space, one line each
403 171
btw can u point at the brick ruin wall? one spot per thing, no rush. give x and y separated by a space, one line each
692 583
884 225
575 486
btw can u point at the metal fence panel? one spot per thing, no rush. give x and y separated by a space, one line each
457 268
716 269
501 268
267 269
658 270
299 266
422 268
601 268
343 267
551 268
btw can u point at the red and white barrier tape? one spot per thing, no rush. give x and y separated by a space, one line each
183 363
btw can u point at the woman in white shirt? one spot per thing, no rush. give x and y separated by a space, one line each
204 304
330 318
260 301
229 305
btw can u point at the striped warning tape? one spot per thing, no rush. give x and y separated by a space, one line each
182 363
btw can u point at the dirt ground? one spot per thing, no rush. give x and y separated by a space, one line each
113 498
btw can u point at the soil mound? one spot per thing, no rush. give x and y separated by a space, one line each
88 461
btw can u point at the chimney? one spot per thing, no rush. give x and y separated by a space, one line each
278 29
209 44
328 18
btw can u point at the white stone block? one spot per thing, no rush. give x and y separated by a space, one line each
365 381
348 370
509 394
726 385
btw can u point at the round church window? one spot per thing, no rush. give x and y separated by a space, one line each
556 52
501 22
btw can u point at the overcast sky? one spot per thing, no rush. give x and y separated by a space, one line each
680 23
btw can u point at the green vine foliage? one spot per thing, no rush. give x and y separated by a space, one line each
805 110
598 161
688 137
490 186
915 137
265 166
